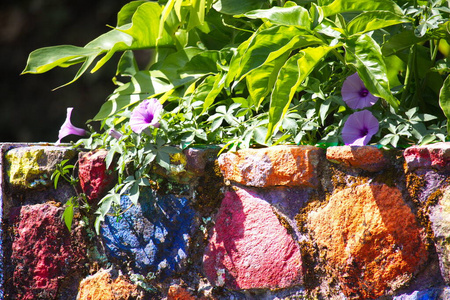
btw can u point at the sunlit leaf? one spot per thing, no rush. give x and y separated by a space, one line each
365 55
444 101
291 75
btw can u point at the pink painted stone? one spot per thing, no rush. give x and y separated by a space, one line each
95 179
44 253
429 156
249 248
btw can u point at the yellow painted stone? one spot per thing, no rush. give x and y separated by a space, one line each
32 167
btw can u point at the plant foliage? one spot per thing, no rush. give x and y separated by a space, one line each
258 73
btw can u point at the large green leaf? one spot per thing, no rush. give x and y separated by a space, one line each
374 20
399 42
236 7
294 15
142 33
444 101
127 11
268 45
260 81
341 6
291 75
365 55
45 59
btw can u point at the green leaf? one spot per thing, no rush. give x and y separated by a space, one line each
104 207
45 59
365 55
373 20
268 45
291 75
127 64
294 15
142 33
399 42
126 13
68 214
444 101
341 6
236 7
260 81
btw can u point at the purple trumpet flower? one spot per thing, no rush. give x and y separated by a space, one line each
355 93
359 128
145 114
115 134
67 128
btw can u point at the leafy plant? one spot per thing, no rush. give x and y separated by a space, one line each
65 171
259 73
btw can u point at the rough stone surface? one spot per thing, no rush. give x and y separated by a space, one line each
95 179
177 292
107 285
430 294
440 223
429 156
249 248
44 253
369 239
185 167
367 158
152 236
31 167
197 159
278 165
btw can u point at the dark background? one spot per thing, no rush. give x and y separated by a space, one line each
29 110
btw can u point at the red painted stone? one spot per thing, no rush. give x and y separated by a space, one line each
249 248
95 179
43 252
434 156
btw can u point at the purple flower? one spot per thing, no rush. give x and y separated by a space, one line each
115 134
359 128
67 128
355 93
145 114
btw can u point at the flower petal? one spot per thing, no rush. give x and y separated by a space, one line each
67 128
359 128
145 114
355 93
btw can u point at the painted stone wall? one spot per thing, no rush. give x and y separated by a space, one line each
286 222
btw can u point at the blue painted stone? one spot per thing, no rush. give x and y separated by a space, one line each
154 235
430 294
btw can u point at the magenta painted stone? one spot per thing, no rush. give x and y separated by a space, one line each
430 156
249 248
95 179
44 253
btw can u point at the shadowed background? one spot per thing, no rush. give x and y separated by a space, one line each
29 110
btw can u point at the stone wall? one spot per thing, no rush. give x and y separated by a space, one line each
286 222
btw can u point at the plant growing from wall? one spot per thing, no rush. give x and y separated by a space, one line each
260 73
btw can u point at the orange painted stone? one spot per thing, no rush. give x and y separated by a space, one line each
177 292
367 158
106 285
370 240
273 166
